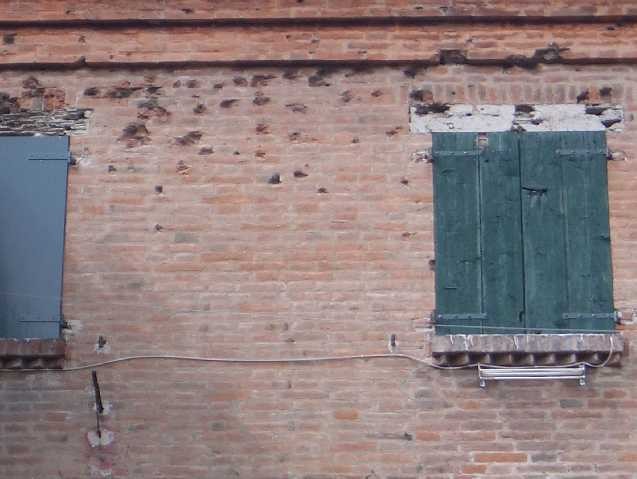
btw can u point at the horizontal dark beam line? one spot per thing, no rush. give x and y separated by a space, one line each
317 22
334 64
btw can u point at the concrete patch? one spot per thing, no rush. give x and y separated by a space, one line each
494 118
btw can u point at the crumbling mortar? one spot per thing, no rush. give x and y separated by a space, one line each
64 121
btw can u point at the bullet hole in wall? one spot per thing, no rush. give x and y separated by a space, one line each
346 96
297 107
189 138
260 99
228 103
183 168
9 38
583 96
261 80
151 109
431 108
422 95
135 134
262 129
120 92
291 74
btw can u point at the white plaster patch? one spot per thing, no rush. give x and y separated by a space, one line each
493 118
98 473
459 118
96 441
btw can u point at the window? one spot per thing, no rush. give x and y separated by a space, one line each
522 233
32 213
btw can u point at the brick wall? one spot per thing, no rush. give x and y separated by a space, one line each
279 211
80 10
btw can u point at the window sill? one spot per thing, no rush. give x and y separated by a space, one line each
32 353
527 349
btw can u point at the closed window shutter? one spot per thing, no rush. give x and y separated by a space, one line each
478 226
568 274
501 222
457 227
32 213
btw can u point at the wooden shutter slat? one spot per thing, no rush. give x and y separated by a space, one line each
588 255
543 231
566 236
457 226
501 233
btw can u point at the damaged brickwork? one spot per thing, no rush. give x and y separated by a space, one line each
255 190
65 121
438 118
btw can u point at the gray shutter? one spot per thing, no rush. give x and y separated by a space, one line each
32 214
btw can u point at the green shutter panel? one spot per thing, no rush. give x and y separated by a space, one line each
501 228
32 213
457 233
566 233
588 255
479 285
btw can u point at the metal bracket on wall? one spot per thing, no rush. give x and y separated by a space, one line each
99 407
487 373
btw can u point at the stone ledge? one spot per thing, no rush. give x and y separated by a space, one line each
32 353
526 349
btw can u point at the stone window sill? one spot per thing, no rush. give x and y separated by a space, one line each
32 353
527 349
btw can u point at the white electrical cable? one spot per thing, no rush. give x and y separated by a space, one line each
315 359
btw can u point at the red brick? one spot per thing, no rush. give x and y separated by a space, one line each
489 457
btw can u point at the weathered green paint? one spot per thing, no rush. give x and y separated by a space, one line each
522 234
543 218
457 226
502 277
587 232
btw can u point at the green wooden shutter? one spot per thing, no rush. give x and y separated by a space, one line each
501 228
457 227
478 227
32 214
567 260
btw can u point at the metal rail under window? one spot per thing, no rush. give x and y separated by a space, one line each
486 373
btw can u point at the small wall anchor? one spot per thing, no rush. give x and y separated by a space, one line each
99 406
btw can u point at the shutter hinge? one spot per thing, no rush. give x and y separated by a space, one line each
454 153
583 316
462 317
582 152
51 156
